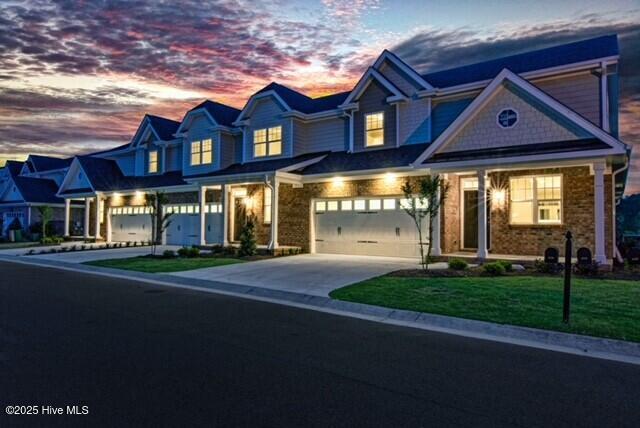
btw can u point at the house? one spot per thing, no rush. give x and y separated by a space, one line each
528 143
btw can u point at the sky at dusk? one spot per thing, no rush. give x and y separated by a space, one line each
77 76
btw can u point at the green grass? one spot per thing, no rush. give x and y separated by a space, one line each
12 245
154 265
605 308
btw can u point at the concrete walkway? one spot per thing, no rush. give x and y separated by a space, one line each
311 274
86 255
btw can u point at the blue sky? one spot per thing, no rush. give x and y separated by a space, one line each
78 76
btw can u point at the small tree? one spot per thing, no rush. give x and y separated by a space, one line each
160 221
424 199
248 238
46 213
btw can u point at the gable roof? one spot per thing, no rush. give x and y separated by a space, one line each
570 53
295 100
487 94
405 68
365 80
46 163
221 113
165 128
37 190
14 167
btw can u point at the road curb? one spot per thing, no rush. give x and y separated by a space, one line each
609 349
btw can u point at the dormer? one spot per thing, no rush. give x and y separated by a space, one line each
150 147
208 138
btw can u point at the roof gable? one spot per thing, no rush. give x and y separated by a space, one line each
363 84
216 113
406 71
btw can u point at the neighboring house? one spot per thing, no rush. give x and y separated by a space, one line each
529 144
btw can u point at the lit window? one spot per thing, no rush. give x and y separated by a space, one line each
321 206
346 205
507 118
267 142
536 199
359 204
374 123
153 161
196 209
389 204
195 153
332 206
405 204
267 205
374 204
207 151
183 209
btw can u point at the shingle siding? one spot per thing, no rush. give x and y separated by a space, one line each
580 93
415 122
444 112
398 78
374 100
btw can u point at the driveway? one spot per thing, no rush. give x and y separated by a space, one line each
315 274
87 255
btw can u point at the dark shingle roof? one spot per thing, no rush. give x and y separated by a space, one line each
46 163
303 103
260 166
14 167
338 162
569 53
105 175
221 113
115 149
39 190
164 127
520 150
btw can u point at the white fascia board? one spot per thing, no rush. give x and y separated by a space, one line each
555 160
75 163
486 95
351 106
188 116
364 81
363 174
313 117
391 57
302 164
255 98
141 131
166 189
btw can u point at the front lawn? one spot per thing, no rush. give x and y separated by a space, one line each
157 264
599 307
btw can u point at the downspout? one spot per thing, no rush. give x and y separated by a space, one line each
616 252
350 116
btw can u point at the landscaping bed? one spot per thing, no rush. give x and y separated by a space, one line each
600 307
155 264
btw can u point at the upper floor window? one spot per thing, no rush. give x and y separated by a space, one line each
536 200
267 142
374 129
201 152
153 161
507 118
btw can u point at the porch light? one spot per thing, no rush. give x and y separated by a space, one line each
248 202
498 197
240 192
337 181
389 178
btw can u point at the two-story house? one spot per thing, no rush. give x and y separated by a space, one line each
528 143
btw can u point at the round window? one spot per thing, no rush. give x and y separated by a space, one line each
507 118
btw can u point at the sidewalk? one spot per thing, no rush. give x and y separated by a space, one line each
594 347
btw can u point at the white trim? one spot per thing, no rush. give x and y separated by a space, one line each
189 115
600 254
68 176
604 98
487 94
514 124
364 82
393 58
142 130
254 99
482 214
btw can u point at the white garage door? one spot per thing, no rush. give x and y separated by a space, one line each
361 226
185 224
130 224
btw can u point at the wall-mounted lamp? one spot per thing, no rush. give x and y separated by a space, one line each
390 178
498 197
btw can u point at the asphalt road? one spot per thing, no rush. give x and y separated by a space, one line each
138 354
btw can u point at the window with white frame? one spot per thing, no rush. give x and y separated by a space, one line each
201 152
374 129
536 200
267 142
153 161
267 205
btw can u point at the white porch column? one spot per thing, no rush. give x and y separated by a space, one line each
482 215
97 219
273 243
87 210
108 220
225 215
436 249
598 189
203 218
67 216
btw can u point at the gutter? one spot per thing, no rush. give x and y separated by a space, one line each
616 251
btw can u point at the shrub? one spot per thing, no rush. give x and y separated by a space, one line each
591 269
194 252
494 269
168 254
541 267
458 264
248 245
128 243
507 265
189 252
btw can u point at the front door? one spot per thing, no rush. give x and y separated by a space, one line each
239 218
470 229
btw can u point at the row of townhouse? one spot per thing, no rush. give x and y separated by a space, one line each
528 143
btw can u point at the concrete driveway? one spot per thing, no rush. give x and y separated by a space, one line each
87 255
315 274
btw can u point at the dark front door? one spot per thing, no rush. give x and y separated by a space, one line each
470 229
240 216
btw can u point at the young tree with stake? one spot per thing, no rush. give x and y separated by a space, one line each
160 222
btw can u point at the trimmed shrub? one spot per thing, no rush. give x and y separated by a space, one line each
458 264
591 269
494 269
168 254
248 246
189 252
541 267
507 265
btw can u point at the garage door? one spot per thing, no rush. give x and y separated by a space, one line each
130 224
185 224
361 226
